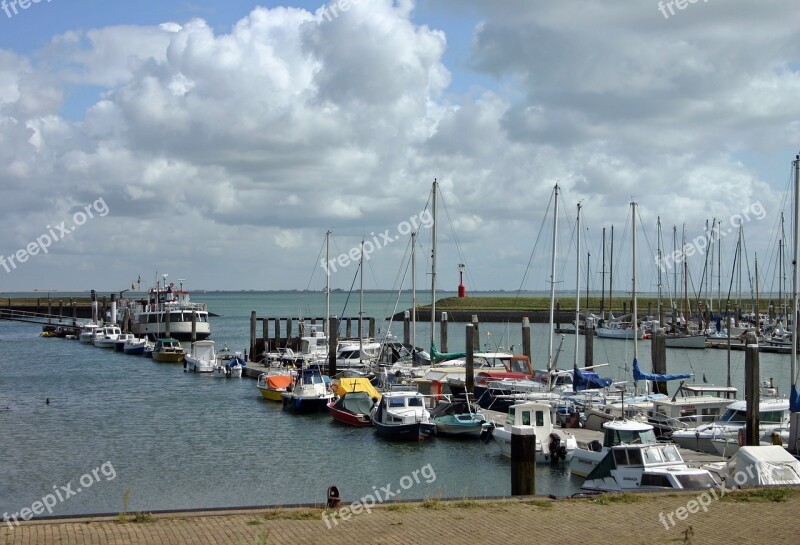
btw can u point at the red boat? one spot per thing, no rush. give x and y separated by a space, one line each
517 367
353 408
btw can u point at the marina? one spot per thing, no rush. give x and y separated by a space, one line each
108 406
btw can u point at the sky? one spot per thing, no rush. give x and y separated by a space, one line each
219 142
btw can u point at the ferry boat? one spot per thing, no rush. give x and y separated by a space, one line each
149 316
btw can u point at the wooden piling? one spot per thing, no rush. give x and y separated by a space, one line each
371 324
265 333
126 320
253 321
751 390
469 381
74 312
348 328
558 315
588 346
167 316
277 333
476 335
523 461
49 310
288 330
526 337
658 353
332 340
443 332
407 327
194 331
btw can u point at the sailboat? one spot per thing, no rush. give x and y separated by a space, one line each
680 336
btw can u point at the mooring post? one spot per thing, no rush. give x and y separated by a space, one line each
523 461
371 322
558 315
194 329
253 321
469 381
476 335
526 337
407 327
49 310
288 330
126 320
658 353
332 340
348 328
265 334
60 310
74 312
167 317
751 390
588 347
443 332
277 333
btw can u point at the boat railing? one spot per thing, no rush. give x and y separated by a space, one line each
681 422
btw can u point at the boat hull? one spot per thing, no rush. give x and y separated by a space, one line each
134 350
198 366
346 417
686 341
416 431
167 357
272 395
305 405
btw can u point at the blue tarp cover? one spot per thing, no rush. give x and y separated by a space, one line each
586 380
638 375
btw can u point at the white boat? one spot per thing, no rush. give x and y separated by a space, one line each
629 467
686 340
106 336
119 344
617 329
87 332
402 414
617 432
551 445
148 316
691 406
772 414
310 393
201 357
758 466
137 346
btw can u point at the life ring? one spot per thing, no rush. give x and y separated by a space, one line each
740 437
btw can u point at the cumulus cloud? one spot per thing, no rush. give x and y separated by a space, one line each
259 138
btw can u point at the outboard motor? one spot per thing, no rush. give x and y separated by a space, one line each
558 451
487 433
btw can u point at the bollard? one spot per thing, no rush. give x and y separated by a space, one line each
476 338
523 461
332 340
526 338
443 332
253 321
751 391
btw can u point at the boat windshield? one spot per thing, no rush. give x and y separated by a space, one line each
732 415
700 480
617 437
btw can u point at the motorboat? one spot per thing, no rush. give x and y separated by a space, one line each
636 467
552 445
357 397
136 346
691 406
616 432
167 311
233 367
617 329
772 414
119 344
769 465
460 417
201 357
310 392
402 414
106 336
168 350
275 382
87 332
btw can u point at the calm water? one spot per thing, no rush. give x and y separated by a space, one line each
176 440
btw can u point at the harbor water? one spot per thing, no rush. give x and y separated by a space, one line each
123 433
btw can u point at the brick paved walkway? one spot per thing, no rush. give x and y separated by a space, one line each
743 517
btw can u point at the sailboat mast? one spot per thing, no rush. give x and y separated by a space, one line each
361 307
719 267
686 309
634 318
552 288
327 286
433 264
794 267
413 292
660 264
611 276
603 279
578 285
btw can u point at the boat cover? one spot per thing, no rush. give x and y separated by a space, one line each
275 382
638 375
587 380
456 407
762 466
355 402
356 384
441 356
794 400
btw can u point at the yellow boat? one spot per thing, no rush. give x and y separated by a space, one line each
272 384
168 350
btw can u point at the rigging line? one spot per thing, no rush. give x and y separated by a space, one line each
398 281
319 260
535 245
455 240
405 269
347 299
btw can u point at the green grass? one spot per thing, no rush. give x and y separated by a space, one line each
294 514
567 303
398 507
761 494
544 504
